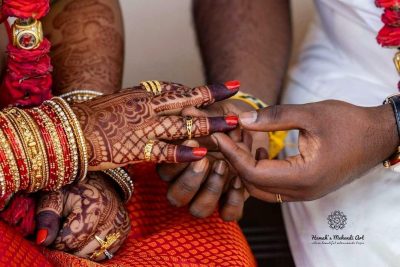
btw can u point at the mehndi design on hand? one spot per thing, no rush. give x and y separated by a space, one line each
117 127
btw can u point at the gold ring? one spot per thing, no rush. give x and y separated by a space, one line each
27 33
152 87
105 245
278 198
189 126
148 148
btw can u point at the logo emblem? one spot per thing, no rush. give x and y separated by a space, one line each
337 220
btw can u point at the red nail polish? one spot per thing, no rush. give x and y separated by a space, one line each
232 85
41 236
199 151
232 120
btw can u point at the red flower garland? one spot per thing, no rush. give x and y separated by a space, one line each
389 35
24 9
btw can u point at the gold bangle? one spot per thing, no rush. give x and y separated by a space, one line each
57 147
189 126
44 177
76 127
11 160
70 138
31 139
148 149
122 178
79 96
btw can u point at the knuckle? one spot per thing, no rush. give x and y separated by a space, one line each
188 186
214 188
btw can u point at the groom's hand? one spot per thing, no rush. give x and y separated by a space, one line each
337 143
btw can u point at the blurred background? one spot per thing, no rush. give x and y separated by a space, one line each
161 45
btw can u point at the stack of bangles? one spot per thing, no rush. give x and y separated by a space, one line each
119 175
42 148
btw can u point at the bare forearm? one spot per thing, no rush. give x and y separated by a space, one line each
88 45
245 40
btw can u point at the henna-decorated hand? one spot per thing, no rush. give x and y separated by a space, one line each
117 127
92 207
212 181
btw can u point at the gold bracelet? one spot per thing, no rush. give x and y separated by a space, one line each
30 138
10 160
76 127
70 138
57 147
79 96
122 178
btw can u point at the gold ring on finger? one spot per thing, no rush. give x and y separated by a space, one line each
279 198
189 126
148 149
105 245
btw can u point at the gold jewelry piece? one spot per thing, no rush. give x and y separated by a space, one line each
79 96
152 87
122 178
35 149
11 160
148 148
27 33
105 245
70 138
57 147
278 198
189 126
80 139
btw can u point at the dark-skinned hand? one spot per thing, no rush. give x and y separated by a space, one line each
338 142
212 182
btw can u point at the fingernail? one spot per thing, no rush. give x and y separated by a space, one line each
41 236
248 117
232 85
199 166
232 120
199 151
237 184
220 167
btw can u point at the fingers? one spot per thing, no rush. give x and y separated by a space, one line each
186 186
159 152
173 102
176 127
168 172
263 172
275 118
157 87
48 217
232 208
208 198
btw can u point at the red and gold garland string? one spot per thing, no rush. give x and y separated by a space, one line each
389 35
28 78
27 82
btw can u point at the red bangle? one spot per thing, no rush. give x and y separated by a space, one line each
51 155
18 149
63 140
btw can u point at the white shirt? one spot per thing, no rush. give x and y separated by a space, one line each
342 60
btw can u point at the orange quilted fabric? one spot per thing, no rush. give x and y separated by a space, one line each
161 235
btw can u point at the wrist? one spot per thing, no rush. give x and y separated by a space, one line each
389 135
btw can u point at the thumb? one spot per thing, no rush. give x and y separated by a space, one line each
275 118
48 217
